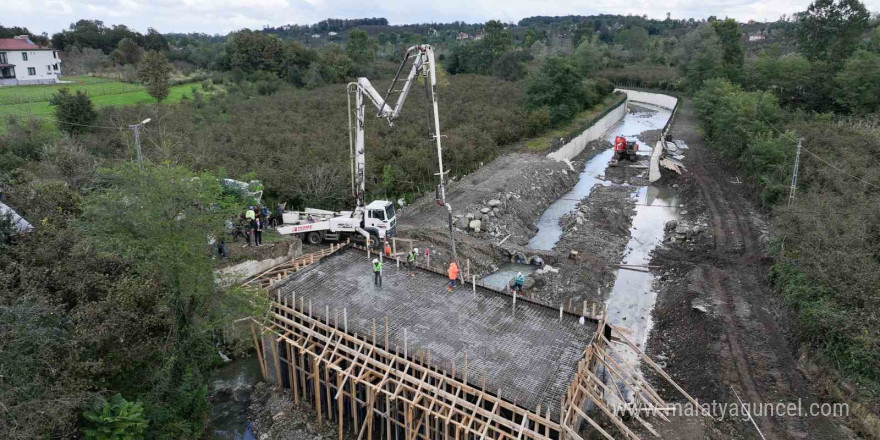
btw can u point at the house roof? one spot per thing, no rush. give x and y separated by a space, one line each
20 44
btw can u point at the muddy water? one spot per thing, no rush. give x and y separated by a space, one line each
229 391
631 299
549 229
639 118
500 279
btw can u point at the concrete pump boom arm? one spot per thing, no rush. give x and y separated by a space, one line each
423 65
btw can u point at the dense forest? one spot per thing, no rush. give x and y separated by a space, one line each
109 312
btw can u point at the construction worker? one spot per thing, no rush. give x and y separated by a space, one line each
518 281
453 275
250 214
387 250
377 272
411 260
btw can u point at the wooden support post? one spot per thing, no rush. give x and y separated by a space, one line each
514 302
317 387
394 245
560 311
291 368
386 333
259 348
339 414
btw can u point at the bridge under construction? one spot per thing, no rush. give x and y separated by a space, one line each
412 360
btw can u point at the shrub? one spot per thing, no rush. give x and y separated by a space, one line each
74 112
115 419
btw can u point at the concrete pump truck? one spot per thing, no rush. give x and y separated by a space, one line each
377 220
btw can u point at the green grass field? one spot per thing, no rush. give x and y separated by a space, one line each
123 94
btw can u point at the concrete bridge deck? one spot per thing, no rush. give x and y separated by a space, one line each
530 356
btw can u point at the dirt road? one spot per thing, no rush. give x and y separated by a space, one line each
742 341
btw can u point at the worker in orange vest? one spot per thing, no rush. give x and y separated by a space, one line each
453 275
387 250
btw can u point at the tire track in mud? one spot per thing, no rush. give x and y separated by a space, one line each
730 238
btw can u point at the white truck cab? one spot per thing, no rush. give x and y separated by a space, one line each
378 219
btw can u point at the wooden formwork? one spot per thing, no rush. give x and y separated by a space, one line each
622 385
282 271
353 380
360 382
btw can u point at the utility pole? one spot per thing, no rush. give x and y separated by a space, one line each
794 174
136 128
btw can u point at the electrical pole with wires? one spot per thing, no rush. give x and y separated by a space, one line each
136 128
794 174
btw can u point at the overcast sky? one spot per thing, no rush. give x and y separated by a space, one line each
222 16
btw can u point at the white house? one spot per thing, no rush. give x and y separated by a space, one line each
24 62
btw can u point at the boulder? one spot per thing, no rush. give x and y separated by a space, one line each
485 210
470 216
494 203
475 225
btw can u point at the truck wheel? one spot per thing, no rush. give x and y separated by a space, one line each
313 238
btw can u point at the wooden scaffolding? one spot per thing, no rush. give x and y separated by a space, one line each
360 382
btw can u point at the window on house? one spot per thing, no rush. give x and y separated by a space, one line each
55 67
54 54
24 56
32 71
3 58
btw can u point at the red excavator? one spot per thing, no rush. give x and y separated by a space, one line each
624 150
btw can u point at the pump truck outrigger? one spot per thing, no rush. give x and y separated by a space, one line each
378 219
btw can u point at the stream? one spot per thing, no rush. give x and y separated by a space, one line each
229 391
632 297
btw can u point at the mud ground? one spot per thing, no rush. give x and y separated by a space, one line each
275 416
719 330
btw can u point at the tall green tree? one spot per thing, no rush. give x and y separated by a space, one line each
700 56
155 41
859 82
73 112
557 86
733 54
127 52
496 39
361 48
251 51
154 72
830 30
588 57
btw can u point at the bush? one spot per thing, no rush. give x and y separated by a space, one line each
115 419
74 113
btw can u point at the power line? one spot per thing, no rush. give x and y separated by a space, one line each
813 154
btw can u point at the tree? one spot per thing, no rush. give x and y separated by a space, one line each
154 72
830 30
74 113
127 52
251 51
786 76
556 85
700 56
588 58
361 48
730 38
496 39
859 82
155 41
